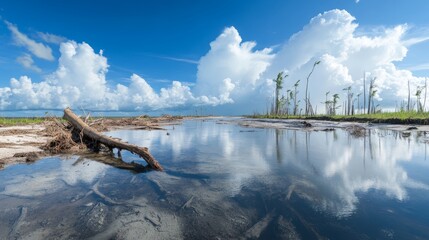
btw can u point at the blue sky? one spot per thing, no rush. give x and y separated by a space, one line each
165 41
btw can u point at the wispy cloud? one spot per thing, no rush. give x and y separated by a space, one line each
416 40
38 49
420 67
27 61
191 61
51 38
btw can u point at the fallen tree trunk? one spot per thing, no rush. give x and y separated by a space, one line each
109 142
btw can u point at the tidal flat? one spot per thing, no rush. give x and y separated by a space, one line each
229 178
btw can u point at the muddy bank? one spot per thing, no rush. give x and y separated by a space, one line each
322 125
407 121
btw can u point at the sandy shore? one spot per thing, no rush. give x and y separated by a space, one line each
15 140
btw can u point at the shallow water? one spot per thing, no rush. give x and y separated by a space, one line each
225 181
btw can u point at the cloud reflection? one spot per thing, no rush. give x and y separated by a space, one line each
329 169
344 166
52 177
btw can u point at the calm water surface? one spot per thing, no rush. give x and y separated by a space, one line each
223 181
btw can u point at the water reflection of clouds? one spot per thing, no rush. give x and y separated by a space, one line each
329 169
349 165
88 171
216 149
50 179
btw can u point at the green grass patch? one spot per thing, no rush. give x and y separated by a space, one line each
6 121
386 117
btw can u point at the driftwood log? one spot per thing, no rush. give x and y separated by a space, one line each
109 142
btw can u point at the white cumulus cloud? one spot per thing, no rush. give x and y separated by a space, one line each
233 74
80 81
345 56
232 69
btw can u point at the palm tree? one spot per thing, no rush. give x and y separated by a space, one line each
372 99
371 93
426 89
295 94
358 99
364 91
326 102
418 96
349 98
409 97
279 86
289 96
334 102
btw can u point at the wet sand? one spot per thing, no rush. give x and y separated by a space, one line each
321 125
16 140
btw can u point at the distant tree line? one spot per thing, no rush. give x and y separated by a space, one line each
289 104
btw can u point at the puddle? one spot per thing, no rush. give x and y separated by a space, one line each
226 181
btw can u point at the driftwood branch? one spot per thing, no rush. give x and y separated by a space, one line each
91 133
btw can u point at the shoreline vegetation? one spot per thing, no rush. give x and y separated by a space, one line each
352 108
419 118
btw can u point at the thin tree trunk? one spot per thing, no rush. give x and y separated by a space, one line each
369 96
369 104
306 89
364 92
409 97
426 90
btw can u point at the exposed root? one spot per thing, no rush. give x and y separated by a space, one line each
356 131
63 139
94 140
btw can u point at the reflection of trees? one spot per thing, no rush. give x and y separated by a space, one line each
370 144
335 167
364 153
326 168
308 151
278 146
